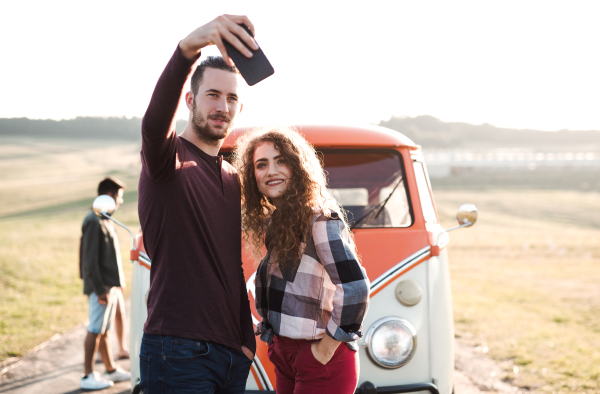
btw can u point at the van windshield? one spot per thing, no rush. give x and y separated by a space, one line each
370 186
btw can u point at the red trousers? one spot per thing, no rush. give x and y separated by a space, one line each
299 372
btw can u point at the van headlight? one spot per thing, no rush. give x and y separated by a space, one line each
391 342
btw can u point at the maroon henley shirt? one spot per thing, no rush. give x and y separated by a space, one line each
189 208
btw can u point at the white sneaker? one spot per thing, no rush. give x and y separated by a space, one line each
94 382
118 375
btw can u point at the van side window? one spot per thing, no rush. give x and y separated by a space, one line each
370 186
425 193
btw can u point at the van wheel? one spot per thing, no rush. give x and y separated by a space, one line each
138 390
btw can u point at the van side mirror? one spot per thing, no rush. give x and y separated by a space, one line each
104 203
467 215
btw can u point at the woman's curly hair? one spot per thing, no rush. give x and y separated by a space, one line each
283 229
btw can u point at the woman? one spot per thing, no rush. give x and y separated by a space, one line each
311 291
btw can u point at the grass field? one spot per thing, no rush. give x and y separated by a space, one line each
526 285
46 189
40 174
525 278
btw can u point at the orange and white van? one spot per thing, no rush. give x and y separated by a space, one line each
379 177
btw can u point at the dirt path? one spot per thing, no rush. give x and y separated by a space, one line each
477 373
55 367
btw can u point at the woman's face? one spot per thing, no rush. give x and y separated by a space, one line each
270 171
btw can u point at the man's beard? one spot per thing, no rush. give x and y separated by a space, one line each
203 129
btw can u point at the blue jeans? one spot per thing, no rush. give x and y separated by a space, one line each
173 365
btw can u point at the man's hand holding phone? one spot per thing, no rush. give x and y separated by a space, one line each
234 36
224 27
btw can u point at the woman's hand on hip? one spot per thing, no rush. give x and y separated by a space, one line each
324 349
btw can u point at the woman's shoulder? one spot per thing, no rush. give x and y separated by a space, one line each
326 223
322 215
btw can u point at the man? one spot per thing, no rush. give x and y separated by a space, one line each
198 336
102 278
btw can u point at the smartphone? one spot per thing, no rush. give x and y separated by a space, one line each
253 69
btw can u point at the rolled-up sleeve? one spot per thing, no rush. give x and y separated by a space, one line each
351 297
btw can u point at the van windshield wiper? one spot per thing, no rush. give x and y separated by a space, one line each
377 208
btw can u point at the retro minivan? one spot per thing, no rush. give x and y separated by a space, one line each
380 179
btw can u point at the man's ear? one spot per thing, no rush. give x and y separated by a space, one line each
189 100
241 107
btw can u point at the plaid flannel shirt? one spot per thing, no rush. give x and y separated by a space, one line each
328 292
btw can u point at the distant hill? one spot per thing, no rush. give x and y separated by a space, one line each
425 130
432 133
78 128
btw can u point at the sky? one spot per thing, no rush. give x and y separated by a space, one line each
517 64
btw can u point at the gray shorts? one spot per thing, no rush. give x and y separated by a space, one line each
102 316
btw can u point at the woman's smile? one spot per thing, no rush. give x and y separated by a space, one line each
274 182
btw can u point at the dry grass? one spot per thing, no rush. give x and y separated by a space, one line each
36 174
526 285
46 191
41 293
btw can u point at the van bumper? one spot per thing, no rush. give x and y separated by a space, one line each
370 388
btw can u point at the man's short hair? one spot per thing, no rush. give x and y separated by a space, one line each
110 185
213 62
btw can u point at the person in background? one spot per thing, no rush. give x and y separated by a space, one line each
102 279
311 290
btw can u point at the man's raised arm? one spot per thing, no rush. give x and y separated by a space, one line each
158 124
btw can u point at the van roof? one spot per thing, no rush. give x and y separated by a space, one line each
328 136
